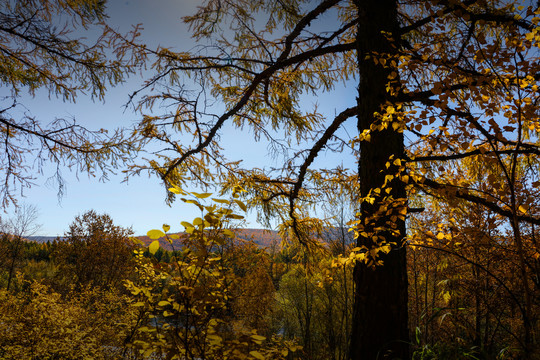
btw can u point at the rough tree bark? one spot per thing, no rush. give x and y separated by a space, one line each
380 320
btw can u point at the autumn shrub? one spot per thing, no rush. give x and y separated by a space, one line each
41 324
186 309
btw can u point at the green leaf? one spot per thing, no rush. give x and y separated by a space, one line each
155 234
154 246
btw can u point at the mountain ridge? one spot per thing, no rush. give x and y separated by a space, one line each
262 237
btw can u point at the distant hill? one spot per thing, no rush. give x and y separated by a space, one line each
42 239
263 238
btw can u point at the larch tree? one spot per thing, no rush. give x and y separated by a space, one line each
437 81
46 49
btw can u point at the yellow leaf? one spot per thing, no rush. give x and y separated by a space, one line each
166 227
228 233
201 195
256 355
194 202
523 208
155 234
440 236
186 224
221 201
241 204
176 190
154 246
214 339
447 297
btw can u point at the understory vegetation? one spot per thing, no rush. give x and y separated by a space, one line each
97 293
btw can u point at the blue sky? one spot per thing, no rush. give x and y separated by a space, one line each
139 203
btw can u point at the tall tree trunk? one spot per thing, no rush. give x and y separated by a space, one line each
380 320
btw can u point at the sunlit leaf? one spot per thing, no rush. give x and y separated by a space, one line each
256 355
153 247
221 201
201 195
228 233
258 338
241 204
186 224
155 234
175 190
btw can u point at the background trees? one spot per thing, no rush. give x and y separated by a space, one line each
13 233
466 281
95 252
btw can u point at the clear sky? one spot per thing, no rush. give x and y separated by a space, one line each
139 203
